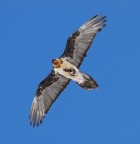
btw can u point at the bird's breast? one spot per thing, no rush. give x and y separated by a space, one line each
67 70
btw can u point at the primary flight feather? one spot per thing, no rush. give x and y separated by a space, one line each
66 68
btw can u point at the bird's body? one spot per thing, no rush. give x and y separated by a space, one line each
66 68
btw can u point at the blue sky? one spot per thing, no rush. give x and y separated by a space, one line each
32 33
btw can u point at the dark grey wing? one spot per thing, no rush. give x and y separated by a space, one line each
47 92
80 41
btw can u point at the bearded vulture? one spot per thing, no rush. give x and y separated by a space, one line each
66 68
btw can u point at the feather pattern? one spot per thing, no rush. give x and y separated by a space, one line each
51 87
80 41
48 90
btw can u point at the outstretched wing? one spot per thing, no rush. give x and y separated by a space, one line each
80 41
47 92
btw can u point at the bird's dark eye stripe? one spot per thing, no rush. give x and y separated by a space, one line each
53 60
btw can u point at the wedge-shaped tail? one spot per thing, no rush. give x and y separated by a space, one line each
88 82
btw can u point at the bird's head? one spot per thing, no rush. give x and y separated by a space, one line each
57 63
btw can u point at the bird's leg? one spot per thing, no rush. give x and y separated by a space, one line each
71 71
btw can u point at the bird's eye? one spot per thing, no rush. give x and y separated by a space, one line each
53 60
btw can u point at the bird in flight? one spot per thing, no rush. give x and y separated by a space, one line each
66 68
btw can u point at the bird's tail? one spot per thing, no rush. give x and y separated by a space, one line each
88 82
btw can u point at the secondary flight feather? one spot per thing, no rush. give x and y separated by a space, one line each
66 68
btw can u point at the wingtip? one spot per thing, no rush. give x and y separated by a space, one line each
104 17
95 16
34 124
100 18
